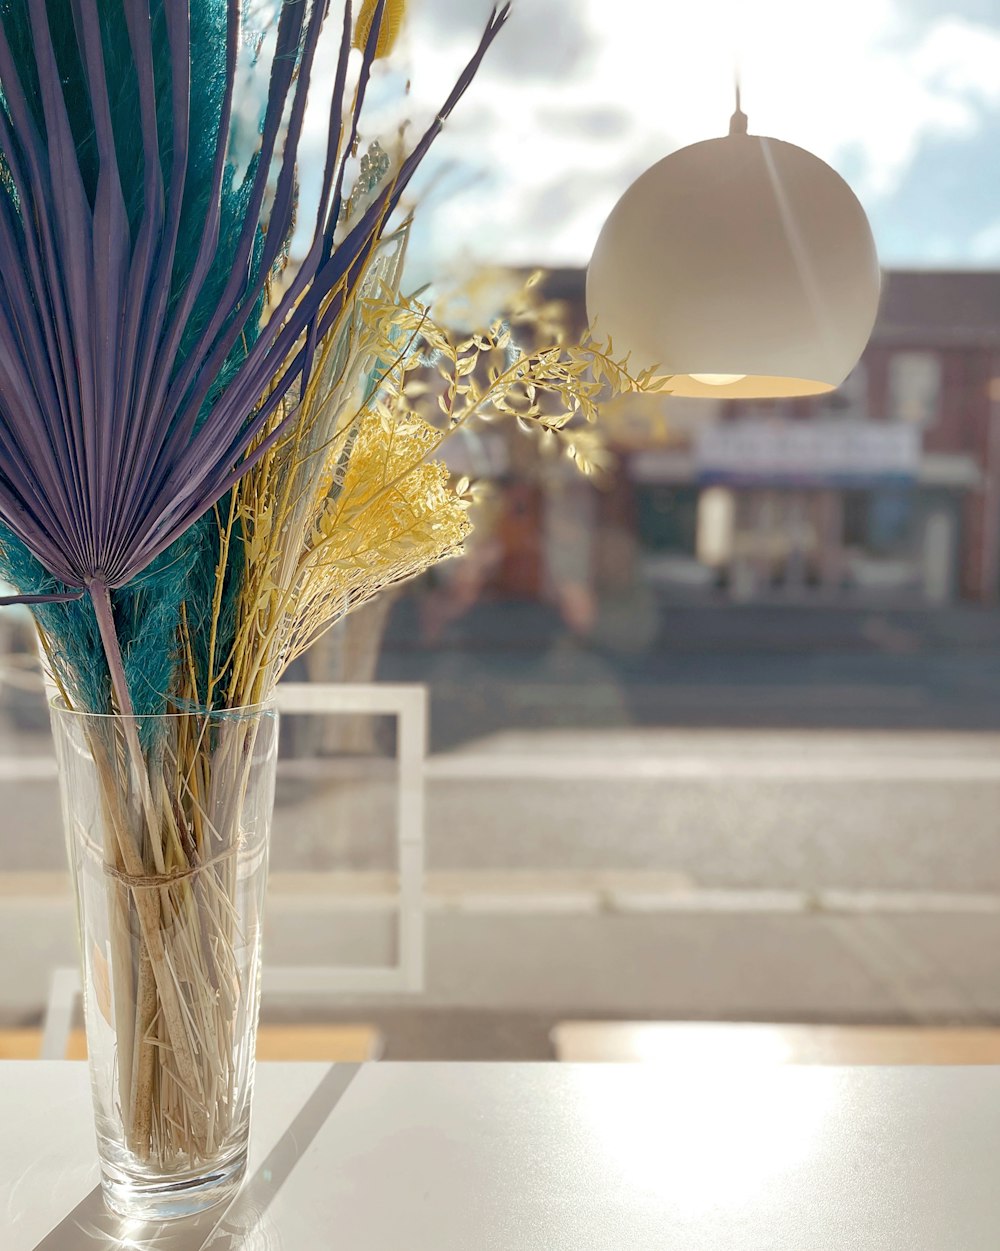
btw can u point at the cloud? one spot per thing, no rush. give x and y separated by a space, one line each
985 244
944 207
544 39
577 98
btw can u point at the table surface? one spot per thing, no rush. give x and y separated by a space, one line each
547 1157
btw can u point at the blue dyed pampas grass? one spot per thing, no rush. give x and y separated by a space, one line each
189 463
139 377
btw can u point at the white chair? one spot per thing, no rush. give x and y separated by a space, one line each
408 703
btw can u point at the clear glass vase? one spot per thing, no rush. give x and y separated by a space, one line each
167 824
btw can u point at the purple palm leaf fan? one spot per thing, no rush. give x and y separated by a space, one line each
116 429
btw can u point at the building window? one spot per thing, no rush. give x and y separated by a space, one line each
880 521
716 526
851 398
914 387
668 518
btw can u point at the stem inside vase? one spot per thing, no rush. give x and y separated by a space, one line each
170 864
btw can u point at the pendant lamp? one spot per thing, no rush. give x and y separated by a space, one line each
739 267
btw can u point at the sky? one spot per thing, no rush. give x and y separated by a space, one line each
577 97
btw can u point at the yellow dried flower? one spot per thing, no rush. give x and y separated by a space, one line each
391 24
352 501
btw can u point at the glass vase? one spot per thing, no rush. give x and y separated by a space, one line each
167 824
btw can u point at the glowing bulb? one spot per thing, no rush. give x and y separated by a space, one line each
718 380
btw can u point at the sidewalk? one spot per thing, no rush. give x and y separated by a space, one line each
513 666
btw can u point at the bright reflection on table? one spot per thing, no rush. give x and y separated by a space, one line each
709 1047
243 1226
743 1130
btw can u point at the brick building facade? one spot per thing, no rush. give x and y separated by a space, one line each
886 489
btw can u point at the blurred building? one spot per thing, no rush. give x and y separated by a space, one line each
885 490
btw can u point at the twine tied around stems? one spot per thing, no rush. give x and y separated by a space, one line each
149 881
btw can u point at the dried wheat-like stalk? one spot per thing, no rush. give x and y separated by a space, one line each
353 500
164 444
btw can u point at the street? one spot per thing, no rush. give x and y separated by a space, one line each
808 835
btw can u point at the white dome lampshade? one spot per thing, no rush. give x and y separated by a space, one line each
737 267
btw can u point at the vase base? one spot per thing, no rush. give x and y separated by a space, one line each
150 1198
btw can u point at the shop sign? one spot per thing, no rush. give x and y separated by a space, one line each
807 453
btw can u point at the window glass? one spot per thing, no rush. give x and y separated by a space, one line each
714 733
914 387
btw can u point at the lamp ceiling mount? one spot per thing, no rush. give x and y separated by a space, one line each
738 121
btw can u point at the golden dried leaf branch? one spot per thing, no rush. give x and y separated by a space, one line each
352 500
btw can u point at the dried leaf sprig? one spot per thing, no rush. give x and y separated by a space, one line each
353 500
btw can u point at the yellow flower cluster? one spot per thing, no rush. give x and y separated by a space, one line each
352 501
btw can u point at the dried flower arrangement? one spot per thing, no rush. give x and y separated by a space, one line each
199 476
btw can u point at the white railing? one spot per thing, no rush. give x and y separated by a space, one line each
408 703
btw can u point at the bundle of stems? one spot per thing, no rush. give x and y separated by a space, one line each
348 503
199 473
149 155
172 828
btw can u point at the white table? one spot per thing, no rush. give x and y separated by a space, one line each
503 1157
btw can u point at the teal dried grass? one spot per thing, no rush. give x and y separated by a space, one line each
142 212
147 612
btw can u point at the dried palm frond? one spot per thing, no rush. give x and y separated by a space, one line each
199 471
135 378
